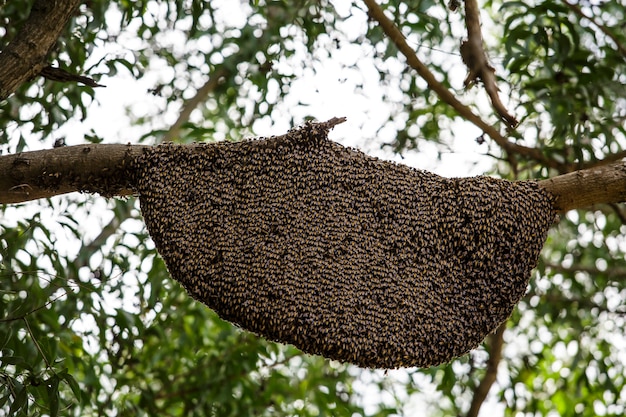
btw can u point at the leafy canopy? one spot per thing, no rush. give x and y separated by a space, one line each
91 323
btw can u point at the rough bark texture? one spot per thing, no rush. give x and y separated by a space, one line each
579 189
41 174
25 56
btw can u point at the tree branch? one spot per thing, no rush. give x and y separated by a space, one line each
444 94
619 213
613 273
592 164
103 169
200 96
42 174
100 168
558 300
478 66
495 342
584 188
25 56
57 74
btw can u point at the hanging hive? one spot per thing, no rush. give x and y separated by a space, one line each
307 242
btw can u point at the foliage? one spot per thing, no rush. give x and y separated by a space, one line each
91 323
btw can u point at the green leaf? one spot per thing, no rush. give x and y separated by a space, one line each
52 385
20 400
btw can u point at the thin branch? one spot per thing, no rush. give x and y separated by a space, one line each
559 300
618 211
593 164
495 342
577 10
614 274
34 310
32 336
58 74
444 94
200 97
26 54
475 58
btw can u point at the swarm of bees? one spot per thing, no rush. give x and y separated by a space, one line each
304 241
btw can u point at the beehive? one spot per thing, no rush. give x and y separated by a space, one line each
304 241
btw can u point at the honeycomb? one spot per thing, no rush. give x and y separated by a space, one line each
304 241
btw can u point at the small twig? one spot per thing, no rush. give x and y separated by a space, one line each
58 74
609 159
558 299
478 66
495 342
23 316
614 273
32 336
191 104
331 123
573 7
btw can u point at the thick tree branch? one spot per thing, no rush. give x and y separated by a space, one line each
478 66
103 169
444 94
495 342
100 168
42 174
584 188
25 56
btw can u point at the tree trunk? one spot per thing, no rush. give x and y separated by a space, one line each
104 169
27 53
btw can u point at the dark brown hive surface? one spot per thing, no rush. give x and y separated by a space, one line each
304 241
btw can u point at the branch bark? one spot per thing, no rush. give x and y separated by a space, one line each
495 341
42 174
57 74
25 56
103 169
478 66
584 188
